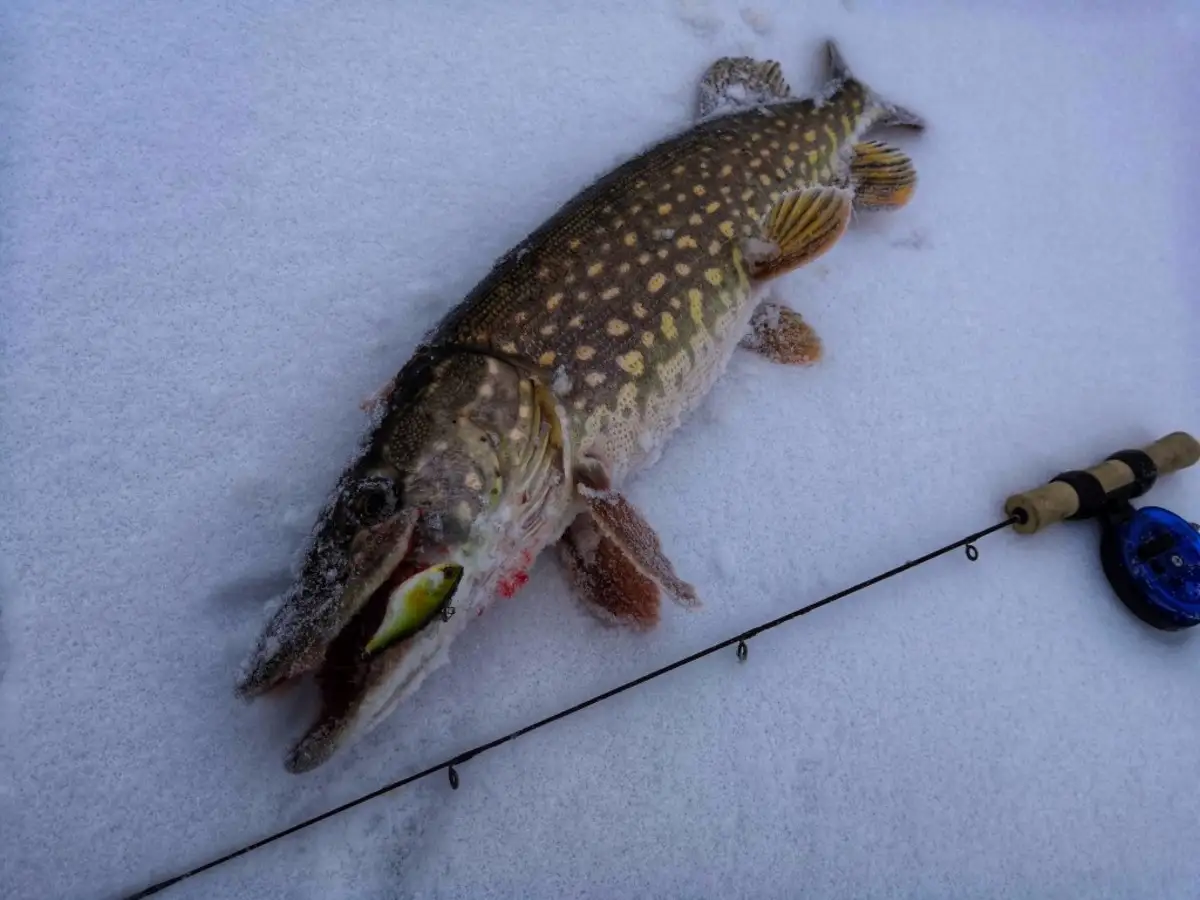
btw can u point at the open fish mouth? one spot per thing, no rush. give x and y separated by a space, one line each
369 644
380 656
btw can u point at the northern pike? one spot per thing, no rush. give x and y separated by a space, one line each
518 419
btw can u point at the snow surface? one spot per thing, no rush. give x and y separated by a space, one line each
225 226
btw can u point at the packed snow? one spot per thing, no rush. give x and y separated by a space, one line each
226 225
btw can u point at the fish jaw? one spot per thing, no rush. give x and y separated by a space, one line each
359 691
333 587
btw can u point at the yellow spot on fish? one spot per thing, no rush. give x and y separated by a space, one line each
617 328
663 253
656 282
679 170
583 295
855 104
543 274
676 303
756 136
576 322
664 208
832 135
636 208
585 352
681 197
695 305
774 145
609 293
780 174
813 156
713 277
547 358
648 339
670 332
713 207
810 137
683 269
847 128
789 163
793 146
547 330
726 170
595 269
508 347
748 194
644 258
755 163
698 190
764 153
574 243
553 301
623 268
825 173
594 379
726 228
695 219
687 242
632 362
714 247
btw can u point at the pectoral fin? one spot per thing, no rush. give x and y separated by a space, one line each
604 578
883 177
619 521
780 334
799 228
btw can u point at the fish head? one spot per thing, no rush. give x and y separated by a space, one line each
460 484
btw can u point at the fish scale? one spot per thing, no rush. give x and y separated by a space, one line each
514 425
636 293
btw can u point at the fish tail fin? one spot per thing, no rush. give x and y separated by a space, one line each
889 114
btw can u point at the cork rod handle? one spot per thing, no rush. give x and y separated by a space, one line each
1057 501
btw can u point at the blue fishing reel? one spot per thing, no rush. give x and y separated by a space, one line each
1151 558
1150 555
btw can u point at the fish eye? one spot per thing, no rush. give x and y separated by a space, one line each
373 499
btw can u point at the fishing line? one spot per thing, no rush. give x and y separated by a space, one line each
450 764
1150 556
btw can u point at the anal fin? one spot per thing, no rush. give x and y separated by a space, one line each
605 580
780 334
883 176
740 82
802 226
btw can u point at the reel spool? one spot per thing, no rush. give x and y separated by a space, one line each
1150 556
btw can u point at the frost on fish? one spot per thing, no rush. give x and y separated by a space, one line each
565 371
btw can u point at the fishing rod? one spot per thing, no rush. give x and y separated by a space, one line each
1150 556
